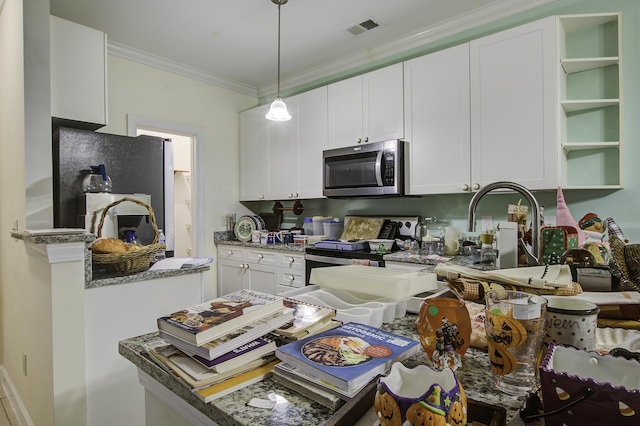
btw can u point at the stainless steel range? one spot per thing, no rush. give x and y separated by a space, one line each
400 227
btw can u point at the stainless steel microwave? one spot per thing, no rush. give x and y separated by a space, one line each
374 169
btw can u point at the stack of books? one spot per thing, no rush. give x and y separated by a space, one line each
340 361
308 319
221 345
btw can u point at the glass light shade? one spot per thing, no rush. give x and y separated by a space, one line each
278 111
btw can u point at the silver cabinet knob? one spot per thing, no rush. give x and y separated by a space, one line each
262 196
476 186
290 195
292 278
260 256
291 260
366 139
230 253
465 187
359 140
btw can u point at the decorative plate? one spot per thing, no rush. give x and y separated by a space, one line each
261 224
244 226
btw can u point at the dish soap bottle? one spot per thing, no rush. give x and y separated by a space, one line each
97 180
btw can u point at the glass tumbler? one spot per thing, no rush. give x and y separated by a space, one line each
515 328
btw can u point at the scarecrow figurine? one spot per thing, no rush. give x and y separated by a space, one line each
448 339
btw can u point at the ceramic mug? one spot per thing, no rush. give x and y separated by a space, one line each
572 322
283 237
255 236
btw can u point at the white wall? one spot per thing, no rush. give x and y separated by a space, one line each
146 91
25 312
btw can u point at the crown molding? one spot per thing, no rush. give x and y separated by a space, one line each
485 15
165 64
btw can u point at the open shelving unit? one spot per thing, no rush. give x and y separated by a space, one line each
590 100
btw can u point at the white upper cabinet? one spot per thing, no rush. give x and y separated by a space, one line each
78 74
367 108
312 140
282 160
282 163
254 149
437 122
513 106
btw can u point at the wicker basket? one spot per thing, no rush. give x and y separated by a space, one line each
132 261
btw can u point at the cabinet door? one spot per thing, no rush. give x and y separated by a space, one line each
513 104
78 73
231 276
383 107
313 138
262 278
283 153
437 123
345 112
254 149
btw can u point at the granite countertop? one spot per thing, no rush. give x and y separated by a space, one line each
226 238
103 279
300 411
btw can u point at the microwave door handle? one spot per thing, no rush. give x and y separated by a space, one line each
379 167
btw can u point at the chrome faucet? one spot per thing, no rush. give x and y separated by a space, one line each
532 258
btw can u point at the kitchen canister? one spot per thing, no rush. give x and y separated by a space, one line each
318 224
333 230
570 321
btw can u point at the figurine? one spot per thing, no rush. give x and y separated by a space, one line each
448 339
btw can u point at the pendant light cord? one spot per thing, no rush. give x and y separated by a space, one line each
279 4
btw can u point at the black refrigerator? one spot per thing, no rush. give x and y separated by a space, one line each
136 165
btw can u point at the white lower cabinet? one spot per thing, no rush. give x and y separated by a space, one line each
269 271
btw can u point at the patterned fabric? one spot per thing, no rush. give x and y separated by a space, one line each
470 289
614 229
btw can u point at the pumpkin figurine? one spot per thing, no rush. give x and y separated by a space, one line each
387 408
420 396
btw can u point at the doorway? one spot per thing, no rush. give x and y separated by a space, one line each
187 215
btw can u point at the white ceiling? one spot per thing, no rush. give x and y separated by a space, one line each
234 42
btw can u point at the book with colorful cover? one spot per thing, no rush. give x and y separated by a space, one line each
220 346
239 356
348 356
210 320
191 373
305 316
235 383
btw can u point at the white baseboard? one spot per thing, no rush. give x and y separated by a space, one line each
14 399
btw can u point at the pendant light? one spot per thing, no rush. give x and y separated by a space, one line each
278 110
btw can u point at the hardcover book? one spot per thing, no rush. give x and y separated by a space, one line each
207 321
239 356
313 392
348 356
191 373
235 383
305 316
289 371
234 339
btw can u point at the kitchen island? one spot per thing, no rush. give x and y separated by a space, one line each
298 410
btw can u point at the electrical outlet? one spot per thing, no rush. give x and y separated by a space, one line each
24 364
487 223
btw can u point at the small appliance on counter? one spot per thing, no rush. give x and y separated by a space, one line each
125 216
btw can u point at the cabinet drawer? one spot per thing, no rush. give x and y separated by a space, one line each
290 278
262 257
230 253
291 261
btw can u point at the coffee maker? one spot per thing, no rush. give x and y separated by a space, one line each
123 216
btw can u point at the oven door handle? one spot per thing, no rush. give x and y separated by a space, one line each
326 259
379 167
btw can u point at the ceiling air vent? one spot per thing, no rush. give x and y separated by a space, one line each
367 25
